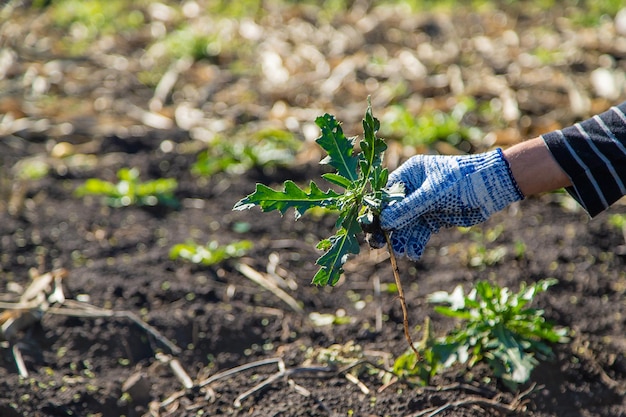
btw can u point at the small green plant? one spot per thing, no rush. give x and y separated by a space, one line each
431 126
410 366
498 328
267 148
130 191
188 41
363 179
210 254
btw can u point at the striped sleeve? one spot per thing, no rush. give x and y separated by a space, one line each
593 155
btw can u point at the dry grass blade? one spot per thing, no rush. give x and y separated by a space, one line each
260 279
356 381
177 368
282 373
220 375
6 305
45 295
241 368
30 308
19 361
167 82
33 303
38 287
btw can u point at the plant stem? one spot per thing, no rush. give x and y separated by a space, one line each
405 313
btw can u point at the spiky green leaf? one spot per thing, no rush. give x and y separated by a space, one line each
372 149
338 247
339 148
338 180
291 196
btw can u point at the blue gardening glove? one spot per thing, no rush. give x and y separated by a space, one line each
444 191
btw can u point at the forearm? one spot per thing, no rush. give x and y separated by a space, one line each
534 167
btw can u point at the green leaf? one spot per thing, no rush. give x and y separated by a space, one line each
211 253
338 180
451 312
372 149
379 179
338 248
129 190
128 174
499 329
96 186
340 149
518 363
291 196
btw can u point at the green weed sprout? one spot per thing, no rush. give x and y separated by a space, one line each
498 328
430 127
130 191
266 148
210 254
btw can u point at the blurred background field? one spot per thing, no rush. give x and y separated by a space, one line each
444 76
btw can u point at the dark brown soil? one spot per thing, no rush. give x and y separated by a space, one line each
118 259
220 319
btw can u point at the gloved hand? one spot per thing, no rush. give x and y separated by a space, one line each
444 191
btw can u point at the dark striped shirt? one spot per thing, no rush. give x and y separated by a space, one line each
593 154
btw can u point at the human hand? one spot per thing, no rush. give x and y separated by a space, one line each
444 191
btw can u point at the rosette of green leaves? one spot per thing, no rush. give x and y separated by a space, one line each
362 178
499 328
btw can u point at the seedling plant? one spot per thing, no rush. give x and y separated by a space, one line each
267 148
498 327
432 126
130 191
210 254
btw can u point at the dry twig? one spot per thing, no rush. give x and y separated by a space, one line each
177 368
19 361
260 279
241 368
517 405
282 374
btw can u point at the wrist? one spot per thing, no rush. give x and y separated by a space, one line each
516 188
534 169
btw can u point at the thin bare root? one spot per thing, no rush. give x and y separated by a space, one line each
405 312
